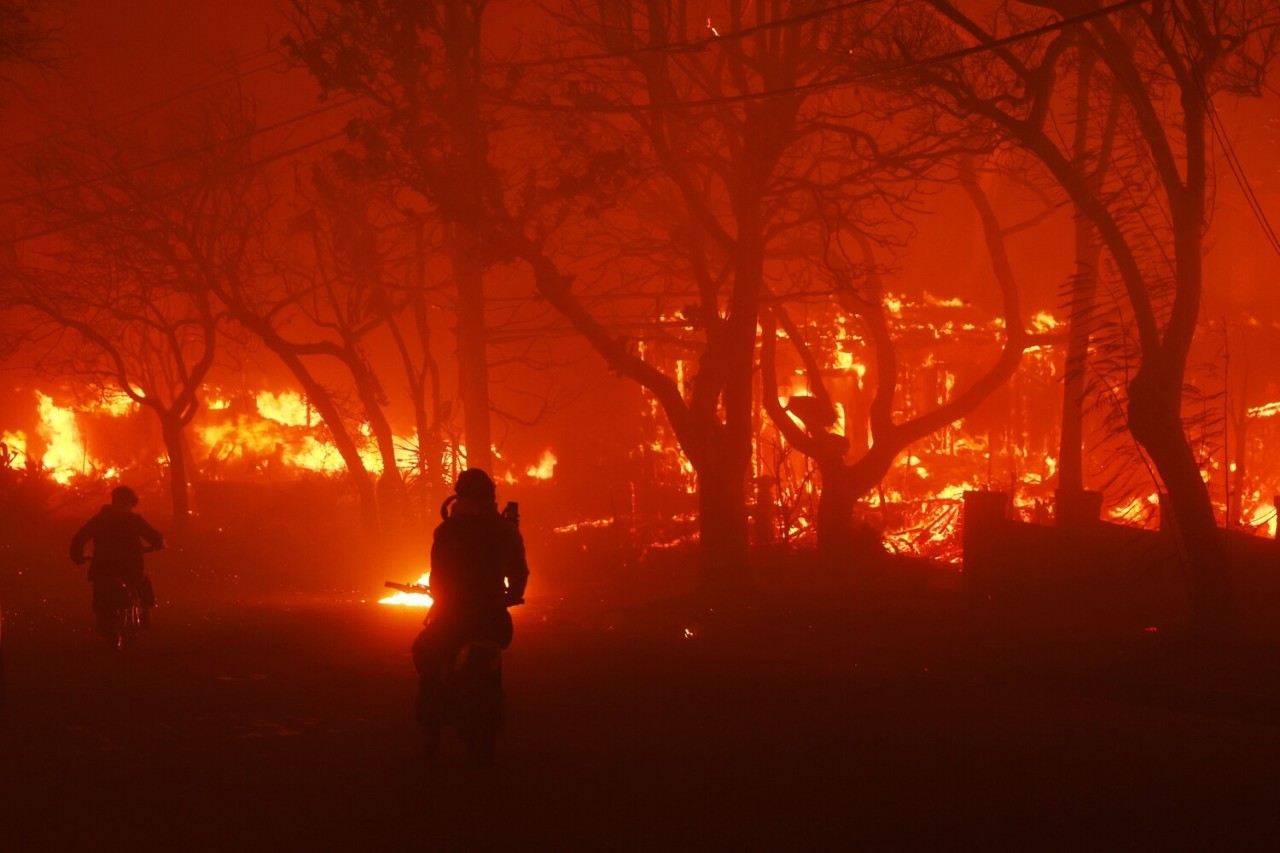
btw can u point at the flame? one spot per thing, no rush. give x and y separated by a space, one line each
545 468
285 434
1264 518
288 407
65 451
249 433
115 404
1043 322
16 445
1136 510
585 524
411 599
953 302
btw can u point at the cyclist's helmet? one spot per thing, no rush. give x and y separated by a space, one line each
124 496
475 484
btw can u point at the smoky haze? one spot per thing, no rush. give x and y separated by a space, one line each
888 390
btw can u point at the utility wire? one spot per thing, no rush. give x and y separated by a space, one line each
277 63
207 81
85 220
815 86
1224 141
847 80
685 46
837 82
171 158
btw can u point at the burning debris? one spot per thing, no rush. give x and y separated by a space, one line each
410 595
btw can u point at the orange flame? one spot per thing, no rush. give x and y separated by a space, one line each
411 599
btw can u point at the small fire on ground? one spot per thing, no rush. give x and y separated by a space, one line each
411 599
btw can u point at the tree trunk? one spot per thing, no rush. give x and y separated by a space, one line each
1084 287
723 553
390 485
836 501
171 430
328 411
473 351
1156 424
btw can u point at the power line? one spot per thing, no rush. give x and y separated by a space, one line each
84 220
837 82
815 86
207 81
685 46
171 158
1219 132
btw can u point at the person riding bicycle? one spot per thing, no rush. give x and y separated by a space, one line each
119 535
478 569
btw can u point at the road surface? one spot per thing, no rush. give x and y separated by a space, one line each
285 724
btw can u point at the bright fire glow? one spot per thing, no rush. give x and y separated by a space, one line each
16 444
1043 322
64 455
545 468
116 404
915 509
288 407
411 599
1264 518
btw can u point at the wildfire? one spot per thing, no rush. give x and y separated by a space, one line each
915 508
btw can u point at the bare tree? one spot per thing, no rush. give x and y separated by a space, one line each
807 421
340 286
1164 60
28 38
421 69
707 133
139 232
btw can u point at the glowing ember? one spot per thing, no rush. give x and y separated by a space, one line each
587 524
1269 410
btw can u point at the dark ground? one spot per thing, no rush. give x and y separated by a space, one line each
850 722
